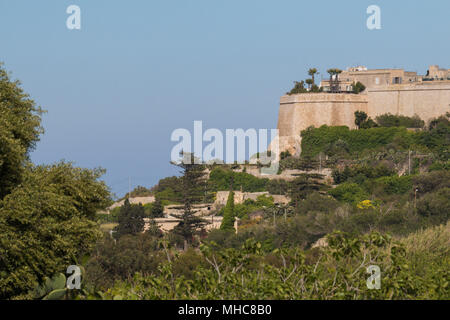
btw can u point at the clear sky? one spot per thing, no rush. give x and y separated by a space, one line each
138 69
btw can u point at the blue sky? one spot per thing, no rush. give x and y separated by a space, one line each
138 69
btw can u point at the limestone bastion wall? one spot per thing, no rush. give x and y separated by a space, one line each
427 100
298 112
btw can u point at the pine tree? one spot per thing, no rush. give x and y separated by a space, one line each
193 183
300 187
153 228
228 214
157 209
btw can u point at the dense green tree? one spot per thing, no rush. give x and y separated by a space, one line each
168 189
390 120
119 260
349 192
153 228
47 223
301 187
157 208
229 214
131 219
285 154
304 163
316 140
358 87
299 87
278 186
318 202
442 121
364 172
139 191
432 181
437 137
435 206
369 123
360 118
221 178
20 127
362 121
193 184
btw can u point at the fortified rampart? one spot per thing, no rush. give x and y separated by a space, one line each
300 111
427 99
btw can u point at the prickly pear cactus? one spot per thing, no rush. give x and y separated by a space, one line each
52 289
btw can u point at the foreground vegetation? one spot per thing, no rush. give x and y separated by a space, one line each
337 271
387 205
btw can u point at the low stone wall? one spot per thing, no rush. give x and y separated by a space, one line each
288 175
240 197
199 209
168 224
136 200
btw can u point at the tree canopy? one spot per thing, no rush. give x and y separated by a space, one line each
47 212
131 219
20 127
47 223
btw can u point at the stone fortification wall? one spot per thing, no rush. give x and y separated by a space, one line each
298 112
427 100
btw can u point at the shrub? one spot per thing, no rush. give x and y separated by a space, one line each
395 184
349 192
389 120
303 163
437 138
278 186
319 203
185 264
119 260
429 182
284 155
435 205
316 140
299 87
222 179
438 166
358 87
355 172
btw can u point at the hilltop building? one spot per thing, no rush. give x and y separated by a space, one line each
394 91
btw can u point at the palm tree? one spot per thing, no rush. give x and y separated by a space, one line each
309 82
312 72
334 83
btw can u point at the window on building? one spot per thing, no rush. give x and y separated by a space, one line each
397 80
